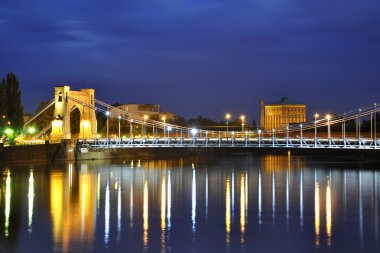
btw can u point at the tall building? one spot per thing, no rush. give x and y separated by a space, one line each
281 114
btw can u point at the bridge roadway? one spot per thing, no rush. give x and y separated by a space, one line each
85 145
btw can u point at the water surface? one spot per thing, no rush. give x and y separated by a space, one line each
233 204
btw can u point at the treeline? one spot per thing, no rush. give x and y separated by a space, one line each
11 109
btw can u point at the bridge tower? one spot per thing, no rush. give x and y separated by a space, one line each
63 107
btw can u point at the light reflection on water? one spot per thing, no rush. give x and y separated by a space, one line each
179 205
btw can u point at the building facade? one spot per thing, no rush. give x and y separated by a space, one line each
281 114
140 110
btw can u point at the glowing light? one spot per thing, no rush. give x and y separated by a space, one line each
118 213
107 113
242 208
228 116
163 210
316 214
145 117
107 215
273 197
7 203
169 200
328 116
163 204
145 215
193 200
8 131
259 197
301 201
31 130
328 212
169 128
228 212
56 204
316 116
194 131
30 201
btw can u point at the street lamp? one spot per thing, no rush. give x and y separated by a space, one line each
301 134
31 130
131 128
328 117
144 126
119 125
258 133
273 131
287 136
375 126
315 128
107 115
228 116
242 117
164 120
8 131
169 129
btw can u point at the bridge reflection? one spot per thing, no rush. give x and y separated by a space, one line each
128 203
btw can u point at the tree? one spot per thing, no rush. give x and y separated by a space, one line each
3 105
3 99
15 109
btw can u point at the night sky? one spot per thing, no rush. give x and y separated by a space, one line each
200 57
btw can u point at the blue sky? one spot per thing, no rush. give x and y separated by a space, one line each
197 57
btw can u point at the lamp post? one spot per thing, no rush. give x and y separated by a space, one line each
228 116
169 129
315 128
130 128
375 126
287 136
301 133
273 131
107 115
119 125
258 133
328 117
144 126
360 110
164 120
193 133
344 129
242 117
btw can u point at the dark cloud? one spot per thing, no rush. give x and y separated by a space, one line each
196 57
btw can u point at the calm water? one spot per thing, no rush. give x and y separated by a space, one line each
245 203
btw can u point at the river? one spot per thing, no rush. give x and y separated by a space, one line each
241 203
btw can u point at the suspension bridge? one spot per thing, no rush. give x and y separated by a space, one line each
170 135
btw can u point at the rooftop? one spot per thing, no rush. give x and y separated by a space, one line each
285 101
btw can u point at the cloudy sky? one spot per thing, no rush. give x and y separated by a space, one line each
199 57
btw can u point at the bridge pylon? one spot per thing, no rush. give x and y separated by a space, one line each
65 101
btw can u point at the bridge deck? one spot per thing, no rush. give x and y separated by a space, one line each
310 143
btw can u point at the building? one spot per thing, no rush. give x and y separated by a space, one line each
281 114
140 110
